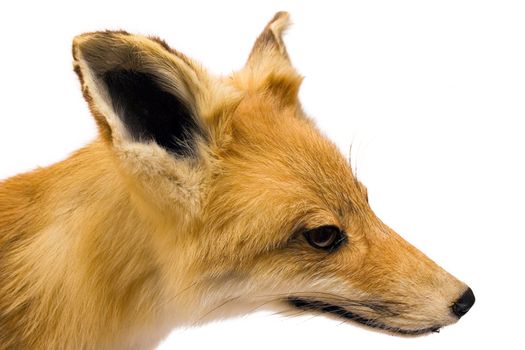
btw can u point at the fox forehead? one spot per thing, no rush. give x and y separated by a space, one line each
279 174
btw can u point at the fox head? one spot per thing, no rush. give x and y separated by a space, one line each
251 205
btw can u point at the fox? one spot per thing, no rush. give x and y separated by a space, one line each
202 197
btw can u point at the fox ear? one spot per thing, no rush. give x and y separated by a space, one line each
163 116
270 45
139 90
270 64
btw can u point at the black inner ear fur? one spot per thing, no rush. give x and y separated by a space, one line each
151 113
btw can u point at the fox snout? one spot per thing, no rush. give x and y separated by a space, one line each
392 287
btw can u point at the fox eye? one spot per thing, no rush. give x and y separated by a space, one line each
327 238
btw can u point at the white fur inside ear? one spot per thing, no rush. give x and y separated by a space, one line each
102 102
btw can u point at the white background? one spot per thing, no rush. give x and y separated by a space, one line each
430 94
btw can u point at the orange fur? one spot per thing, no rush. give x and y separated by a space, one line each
122 241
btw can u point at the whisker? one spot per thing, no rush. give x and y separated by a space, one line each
322 302
311 317
261 305
288 313
214 309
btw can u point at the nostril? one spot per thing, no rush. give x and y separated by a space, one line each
464 303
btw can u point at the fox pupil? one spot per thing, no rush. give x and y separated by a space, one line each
325 237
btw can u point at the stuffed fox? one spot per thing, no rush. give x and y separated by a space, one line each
202 197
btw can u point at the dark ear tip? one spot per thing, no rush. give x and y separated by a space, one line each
281 16
88 40
279 23
104 50
271 36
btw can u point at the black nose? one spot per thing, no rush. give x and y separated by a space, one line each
464 303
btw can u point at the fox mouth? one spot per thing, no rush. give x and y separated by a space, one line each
341 312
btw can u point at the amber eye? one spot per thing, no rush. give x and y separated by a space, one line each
327 238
